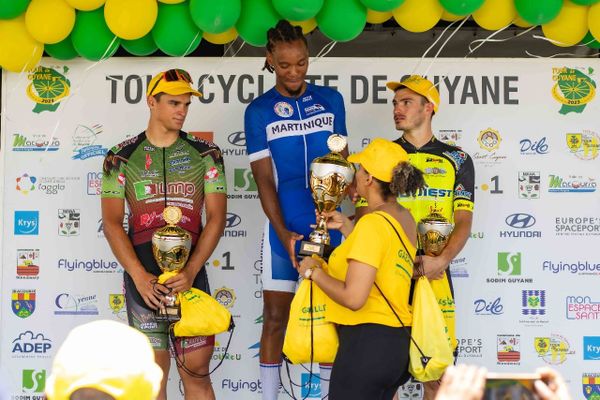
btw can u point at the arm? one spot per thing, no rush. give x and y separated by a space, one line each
352 293
216 208
265 181
435 267
113 212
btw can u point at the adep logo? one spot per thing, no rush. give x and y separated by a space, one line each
574 88
591 385
553 349
84 142
28 263
575 267
577 226
68 222
311 386
531 147
67 304
520 222
582 308
232 221
529 185
571 184
591 348
35 143
27 222
509 349
47 88
29 345
584 145
23 303
34 380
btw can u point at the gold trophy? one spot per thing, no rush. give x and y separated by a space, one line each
433 233
171 246
330 176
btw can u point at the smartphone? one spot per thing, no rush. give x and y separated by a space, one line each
506 386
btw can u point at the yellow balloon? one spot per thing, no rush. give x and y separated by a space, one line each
521 23
495 14
86 5
22 52
448 16
569 27
171 1
130 19
307 26
378 17
221 38
594 21
418 15
49 21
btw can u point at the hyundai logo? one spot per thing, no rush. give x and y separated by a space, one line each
237 138
520 220
232 220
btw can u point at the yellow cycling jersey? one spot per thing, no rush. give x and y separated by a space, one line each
449 175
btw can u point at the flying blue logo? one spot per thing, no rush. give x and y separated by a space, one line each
27 222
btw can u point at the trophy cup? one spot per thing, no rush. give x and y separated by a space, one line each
171 248
330 176
433 233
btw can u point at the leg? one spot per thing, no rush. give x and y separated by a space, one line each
163 359
195 355
430 389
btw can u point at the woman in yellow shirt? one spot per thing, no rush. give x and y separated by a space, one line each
376 257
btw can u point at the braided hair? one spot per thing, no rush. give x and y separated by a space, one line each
283 32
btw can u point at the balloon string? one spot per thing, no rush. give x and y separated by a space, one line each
562 55
324 51
224 60
444 45
432 46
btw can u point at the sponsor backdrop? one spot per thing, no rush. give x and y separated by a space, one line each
526 281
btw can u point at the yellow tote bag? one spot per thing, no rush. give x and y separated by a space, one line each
441 290
309 337
430 347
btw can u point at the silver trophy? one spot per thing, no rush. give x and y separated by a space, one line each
433 233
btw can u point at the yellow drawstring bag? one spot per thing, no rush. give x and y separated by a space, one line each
309 337
201 315
441 290
430 347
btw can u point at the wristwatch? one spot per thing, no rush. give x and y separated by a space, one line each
308 273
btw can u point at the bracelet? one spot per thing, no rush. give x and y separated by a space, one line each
308 273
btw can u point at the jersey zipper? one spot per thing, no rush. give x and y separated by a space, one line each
305 149
164 163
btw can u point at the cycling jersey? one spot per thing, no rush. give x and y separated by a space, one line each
292 132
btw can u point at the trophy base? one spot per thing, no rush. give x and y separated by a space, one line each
308 248
168 314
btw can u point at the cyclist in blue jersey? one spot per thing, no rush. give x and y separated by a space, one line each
286 128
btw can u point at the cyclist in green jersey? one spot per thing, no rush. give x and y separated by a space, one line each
165 166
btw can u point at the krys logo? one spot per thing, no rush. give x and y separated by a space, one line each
311 386
574 89
47 88
27 222
238 140
29 344
34 380
591 347
583 145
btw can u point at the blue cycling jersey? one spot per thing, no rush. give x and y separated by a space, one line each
293 131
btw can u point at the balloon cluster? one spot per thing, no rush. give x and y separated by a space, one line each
94 29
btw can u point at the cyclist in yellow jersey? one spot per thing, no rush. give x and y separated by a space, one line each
449 175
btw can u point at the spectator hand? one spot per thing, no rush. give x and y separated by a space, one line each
552 385
463 382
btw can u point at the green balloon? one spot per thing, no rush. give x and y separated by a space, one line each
382 5
215 16
91 37
298 10
342 20
10 9
143 46
174 32
62 50
538 12
462 7
258 16
585 2
590 41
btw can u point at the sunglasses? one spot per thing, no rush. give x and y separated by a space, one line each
172 75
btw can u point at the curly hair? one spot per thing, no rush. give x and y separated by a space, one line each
406 180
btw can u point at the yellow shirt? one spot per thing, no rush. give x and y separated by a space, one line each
374 242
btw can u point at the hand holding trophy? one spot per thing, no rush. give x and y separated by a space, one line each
330 176
171 246
433 233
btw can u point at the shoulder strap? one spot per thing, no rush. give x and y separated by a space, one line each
397 234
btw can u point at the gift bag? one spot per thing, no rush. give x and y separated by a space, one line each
309 337
441 290
430 347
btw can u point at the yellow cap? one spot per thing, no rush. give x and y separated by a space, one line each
419 85
173 82
380 158
108 356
